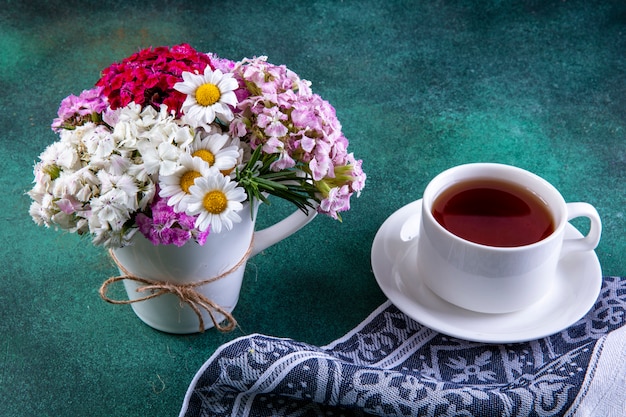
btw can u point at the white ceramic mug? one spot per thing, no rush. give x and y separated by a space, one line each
492 279
193 263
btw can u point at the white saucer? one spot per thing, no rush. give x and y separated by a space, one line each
579 278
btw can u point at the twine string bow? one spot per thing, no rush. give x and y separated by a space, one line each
186 293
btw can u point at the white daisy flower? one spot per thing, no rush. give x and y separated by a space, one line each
208 96
212 149
175 187
216 200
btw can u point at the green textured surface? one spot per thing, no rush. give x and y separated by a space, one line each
418 87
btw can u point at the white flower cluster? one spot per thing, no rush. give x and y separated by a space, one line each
95 178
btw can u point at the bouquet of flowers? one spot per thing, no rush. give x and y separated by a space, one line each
171 142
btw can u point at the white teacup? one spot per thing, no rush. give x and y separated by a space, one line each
493 279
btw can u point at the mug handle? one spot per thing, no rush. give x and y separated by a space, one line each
591 240
267 237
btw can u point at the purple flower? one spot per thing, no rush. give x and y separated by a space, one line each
166 227
338 200
222 64
75 111
271 120
358 176
304 115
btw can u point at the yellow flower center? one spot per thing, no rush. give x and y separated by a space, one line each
206 155
207 94
215 202
226 172
187 180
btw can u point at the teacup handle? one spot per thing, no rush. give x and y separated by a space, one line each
591 240
267 237
409 230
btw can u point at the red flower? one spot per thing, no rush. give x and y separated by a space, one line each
148 76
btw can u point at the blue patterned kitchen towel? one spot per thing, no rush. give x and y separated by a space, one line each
392 366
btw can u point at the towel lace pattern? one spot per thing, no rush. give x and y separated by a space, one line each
392 366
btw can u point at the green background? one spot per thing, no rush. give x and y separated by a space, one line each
419 86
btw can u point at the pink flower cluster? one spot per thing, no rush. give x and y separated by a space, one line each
148 76
76 110
281 114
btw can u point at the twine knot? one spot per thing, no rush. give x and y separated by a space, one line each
186 293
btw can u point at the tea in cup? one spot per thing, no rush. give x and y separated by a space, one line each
491 236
